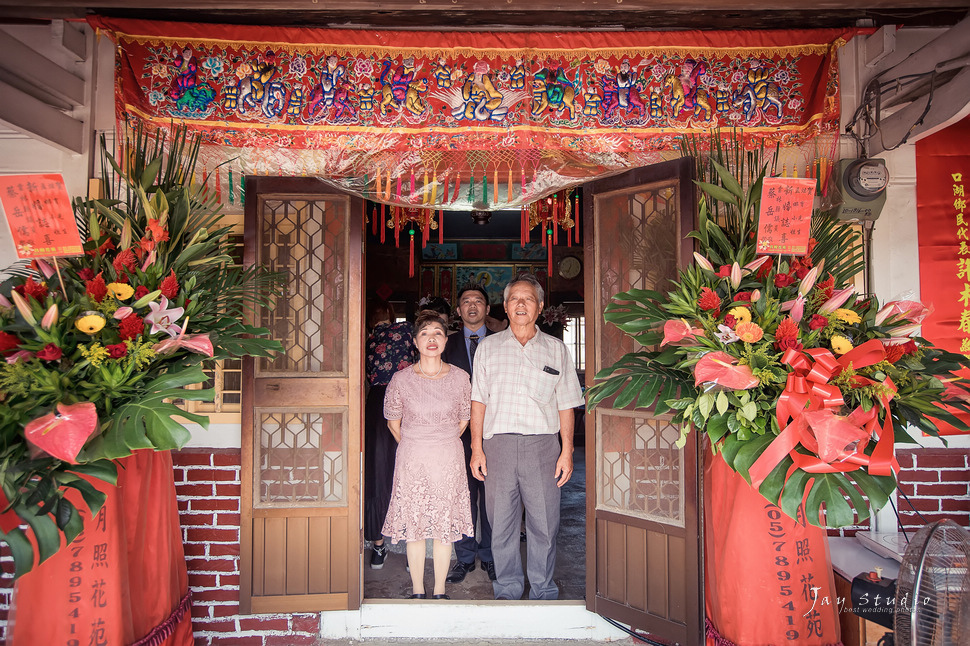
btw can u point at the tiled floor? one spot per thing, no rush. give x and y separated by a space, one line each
394 582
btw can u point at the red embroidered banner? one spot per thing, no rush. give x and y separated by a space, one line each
402 116
943 177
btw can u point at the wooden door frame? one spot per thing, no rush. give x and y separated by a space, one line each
310 187
693 494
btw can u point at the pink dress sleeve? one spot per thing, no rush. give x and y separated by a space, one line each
464 396
393 399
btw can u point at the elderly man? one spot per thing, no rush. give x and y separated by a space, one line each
524 389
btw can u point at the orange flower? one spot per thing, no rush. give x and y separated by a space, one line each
158 231
749 332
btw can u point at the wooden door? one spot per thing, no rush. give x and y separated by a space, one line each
643 545
302 410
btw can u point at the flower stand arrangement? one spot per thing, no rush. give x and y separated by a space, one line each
800 385
97 352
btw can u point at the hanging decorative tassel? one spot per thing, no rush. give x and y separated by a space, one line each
522 182
522 225
565 214
508 192
383 224
526 220
441 226
471 188
242 189
426 229
232 193
411 192
411 255
387 186
485 187
373 212
397 191
424 193
218 186
556 218
454 198
576 217
434 187
444 193
549 252
495 185
397 226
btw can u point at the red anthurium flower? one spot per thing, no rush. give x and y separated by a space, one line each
170 286
8 343
719 368
131 327
678 330
63 435
96 288
117 350
50 353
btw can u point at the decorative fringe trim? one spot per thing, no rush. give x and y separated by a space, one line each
715 638
164 630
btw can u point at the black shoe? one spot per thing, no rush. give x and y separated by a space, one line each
457 574
417 595
440 596
489 566
377 556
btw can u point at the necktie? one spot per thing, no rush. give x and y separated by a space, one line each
472 346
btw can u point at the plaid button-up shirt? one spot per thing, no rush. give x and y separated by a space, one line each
524 387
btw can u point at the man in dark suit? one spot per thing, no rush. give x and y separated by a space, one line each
460 352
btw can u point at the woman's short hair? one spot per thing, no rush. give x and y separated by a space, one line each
525 278
436 303
379 310
426 318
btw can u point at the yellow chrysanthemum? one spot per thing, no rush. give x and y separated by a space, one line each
840 344
847 315
121 291
749 332
90 323
742 314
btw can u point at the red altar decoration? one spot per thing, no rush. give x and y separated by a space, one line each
123 580
943 173
463 120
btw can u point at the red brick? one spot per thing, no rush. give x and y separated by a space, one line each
917 475
214 625
920 504
211 535
195 520
239 640
290 640
202 580
907 488
945 461
200 612
178 475
194 490
208 475
222 504
941 490
905 459
194 549
183 504
227 458
225 610
220 595
229 489
225 520
955 475
227 549
955 504
305 623
211 565
193 458
264 623
201 641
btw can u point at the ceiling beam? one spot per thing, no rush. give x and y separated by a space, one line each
33 117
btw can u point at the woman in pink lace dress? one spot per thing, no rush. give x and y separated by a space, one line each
427 407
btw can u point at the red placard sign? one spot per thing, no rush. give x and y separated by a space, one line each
785 221
39 215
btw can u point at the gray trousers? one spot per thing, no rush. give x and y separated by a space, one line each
521 472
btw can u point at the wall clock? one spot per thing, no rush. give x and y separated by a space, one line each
570 267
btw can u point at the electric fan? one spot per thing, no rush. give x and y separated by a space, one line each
933 589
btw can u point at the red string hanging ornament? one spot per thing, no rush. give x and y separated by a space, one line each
414 220
441 226
397 223
411 254
576 217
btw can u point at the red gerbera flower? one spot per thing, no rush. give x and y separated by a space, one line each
50 353
131 327
709 300
8 343
170 286
125 260
96 288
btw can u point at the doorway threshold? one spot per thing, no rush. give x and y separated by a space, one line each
405 618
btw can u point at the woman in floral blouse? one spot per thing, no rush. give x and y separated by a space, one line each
390 348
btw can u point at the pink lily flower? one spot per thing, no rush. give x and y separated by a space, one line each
735 275
755 265
122 312
838 300
163 319
905 331
795 307
5 302
50 317
23 308
755 295
149 260
703 262
45 267
808 282
912 310
19 355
